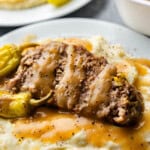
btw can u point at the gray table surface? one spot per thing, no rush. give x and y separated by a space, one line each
98 9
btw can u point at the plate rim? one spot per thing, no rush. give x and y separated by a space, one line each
141 42
57 15
73 19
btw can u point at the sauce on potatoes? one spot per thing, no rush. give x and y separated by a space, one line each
53 126
49 125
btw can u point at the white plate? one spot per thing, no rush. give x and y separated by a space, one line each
136 44
27 16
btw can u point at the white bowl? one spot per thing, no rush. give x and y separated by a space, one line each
136 14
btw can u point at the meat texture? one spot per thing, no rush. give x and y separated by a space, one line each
79 82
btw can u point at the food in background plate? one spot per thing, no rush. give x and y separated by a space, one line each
68 93
58 2
22 4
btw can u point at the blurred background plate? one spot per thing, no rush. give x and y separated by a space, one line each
31 15
135 43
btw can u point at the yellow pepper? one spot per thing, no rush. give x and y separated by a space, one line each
9 59
58 3
119 79
14 105
20 104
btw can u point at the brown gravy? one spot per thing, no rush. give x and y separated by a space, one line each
49 125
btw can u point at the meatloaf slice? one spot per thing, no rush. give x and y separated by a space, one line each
79 82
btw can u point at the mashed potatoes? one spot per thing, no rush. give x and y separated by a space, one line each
50 129
19 4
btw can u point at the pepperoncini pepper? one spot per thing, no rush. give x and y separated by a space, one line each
14 105
20 104
9 59
58 3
